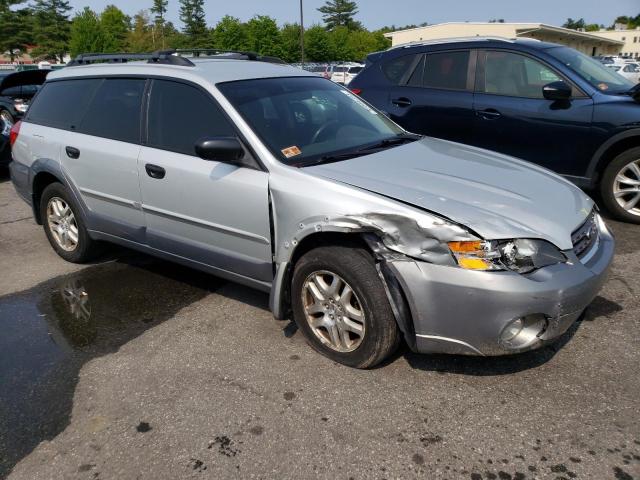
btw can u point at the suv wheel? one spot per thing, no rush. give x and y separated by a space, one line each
620 187
341 307
63 226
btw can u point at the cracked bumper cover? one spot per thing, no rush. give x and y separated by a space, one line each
464 312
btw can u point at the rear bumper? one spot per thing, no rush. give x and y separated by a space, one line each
465 312
20 177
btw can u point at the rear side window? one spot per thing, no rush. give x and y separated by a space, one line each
180 115
115 109
396 68
62 104
446 70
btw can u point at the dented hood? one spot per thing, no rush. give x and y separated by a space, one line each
496 196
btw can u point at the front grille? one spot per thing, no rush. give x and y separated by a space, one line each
585 238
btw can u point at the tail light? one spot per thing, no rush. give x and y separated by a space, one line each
357 91
13 134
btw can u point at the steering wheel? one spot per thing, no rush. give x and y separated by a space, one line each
323 129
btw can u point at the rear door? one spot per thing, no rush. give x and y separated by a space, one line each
100 156
211 212
435 96
95 127
513 117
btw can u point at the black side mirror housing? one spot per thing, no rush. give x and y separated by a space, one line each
558 90
220 149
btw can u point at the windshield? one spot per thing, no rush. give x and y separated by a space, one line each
601 77
304 120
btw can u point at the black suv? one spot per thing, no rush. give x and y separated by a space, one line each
542 102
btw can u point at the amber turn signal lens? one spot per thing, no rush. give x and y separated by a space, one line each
466 247
474 263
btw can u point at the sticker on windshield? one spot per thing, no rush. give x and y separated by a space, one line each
291 151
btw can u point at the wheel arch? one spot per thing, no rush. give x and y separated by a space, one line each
611 149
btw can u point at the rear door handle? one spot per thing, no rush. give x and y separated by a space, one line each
489 114
72 152
401 102
154 171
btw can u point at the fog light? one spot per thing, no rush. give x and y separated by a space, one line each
512 330
523 332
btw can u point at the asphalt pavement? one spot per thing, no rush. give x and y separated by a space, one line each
134 368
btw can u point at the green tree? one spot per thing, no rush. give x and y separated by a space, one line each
339 44
361 43
290 42
574 24
316 44
159 10
340 13
230 34
15 27
140 38
86 33
195 25
263 36
52 28
115 26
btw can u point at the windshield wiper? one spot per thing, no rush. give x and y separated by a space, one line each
391 142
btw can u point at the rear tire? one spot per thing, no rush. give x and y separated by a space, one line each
620 185
356 311
63 225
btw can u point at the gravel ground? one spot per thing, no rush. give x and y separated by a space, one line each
161 372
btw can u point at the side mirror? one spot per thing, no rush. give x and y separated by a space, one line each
220 149
556 91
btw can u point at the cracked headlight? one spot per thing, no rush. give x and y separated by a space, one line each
520 255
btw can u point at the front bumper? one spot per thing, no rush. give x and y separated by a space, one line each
461 311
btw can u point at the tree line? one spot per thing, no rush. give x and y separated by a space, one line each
48 25
580 24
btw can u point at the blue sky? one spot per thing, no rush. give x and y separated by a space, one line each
377 13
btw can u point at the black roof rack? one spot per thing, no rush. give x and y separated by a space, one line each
170 57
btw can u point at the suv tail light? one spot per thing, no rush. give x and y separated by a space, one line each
13 134
357 91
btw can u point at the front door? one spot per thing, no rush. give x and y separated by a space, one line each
513 117
209 212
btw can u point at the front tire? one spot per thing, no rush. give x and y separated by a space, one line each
620 186
63 225
341 307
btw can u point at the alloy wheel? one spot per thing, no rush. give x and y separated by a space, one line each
626 187
62 224
333 311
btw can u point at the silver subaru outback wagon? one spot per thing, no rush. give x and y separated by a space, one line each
272 177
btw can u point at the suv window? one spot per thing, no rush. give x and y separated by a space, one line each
395 68
61 104
446 70
180 115
516 75
115 109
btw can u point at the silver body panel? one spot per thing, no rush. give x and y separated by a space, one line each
245 224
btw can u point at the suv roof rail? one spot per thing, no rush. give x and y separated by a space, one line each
163 57
229 54
170 57
438 41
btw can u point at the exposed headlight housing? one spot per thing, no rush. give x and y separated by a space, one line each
520 255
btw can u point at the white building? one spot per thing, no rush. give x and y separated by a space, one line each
588 43
629 38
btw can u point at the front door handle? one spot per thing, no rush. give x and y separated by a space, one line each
489 114
154 171
72 152
401 102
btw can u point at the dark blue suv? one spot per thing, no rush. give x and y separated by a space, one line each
542 102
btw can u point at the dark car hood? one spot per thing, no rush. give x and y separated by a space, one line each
28 77
494 195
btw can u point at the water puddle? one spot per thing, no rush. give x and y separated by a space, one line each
48 332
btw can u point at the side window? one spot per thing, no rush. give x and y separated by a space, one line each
446 70
62 104
395 68
179 115
114 111
516 75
